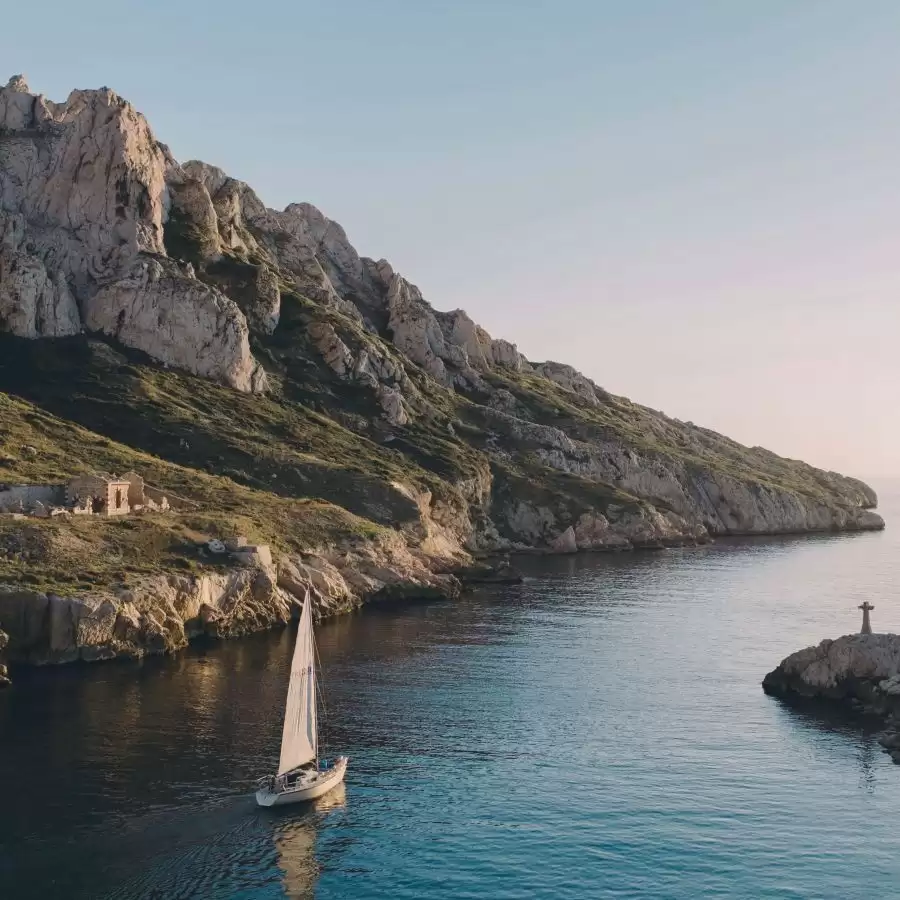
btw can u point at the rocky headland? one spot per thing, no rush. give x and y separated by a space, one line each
860 672
157 316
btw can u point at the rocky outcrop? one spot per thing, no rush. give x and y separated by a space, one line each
858 671
84 196
178 320
572 380
158 616
851 667
712 499
32 304
528 524
162 614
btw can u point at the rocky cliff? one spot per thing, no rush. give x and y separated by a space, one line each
160 307
162 613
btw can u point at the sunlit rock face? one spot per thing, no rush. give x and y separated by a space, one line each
84 195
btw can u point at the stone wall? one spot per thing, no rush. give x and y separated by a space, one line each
15 497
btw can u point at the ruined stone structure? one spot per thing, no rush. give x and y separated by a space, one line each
107 494
135 488
141 496
19 498
85 495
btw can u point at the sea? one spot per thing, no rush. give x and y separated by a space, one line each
598 731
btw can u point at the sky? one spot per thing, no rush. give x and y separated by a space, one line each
696 204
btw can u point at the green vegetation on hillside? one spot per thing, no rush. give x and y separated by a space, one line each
37 447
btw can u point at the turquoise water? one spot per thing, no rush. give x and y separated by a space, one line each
598 731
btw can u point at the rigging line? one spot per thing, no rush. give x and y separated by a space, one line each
320 693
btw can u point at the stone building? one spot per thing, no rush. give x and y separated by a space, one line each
107 494
143 497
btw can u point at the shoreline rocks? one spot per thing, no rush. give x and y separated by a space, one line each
859 672
162 614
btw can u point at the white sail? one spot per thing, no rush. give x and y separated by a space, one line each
299 738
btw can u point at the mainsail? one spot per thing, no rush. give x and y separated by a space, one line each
299 738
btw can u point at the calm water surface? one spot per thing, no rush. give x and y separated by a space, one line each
598 731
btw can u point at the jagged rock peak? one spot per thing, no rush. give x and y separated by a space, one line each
18 84
84 197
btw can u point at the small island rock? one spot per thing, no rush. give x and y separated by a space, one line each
858 671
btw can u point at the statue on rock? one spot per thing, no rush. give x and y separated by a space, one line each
866 625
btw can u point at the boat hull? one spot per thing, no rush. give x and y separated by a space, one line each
310 790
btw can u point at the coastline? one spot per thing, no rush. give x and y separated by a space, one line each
163 615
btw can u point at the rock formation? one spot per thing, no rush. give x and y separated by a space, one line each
84 195
851 667
161 614
858 671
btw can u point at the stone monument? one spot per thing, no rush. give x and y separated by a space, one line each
866 625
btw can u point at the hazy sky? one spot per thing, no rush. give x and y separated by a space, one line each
695 203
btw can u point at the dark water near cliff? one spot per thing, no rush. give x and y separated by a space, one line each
596 732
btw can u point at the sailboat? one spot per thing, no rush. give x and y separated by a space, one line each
301 774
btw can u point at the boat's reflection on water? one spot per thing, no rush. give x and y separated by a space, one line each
295 843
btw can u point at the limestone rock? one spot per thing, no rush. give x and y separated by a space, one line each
177 320
23 616
161 614
266 309
391 401
566 542
329 590
334 351
415 330
859 671
890 686
157 616
506 355
851 666
890 740
370 366
571 379
87 177
4 673
258 556
83 185
459 330
18 84
530 524
192 225
32 304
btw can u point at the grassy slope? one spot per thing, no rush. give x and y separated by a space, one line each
36 446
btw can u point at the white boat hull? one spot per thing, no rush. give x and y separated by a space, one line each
308 789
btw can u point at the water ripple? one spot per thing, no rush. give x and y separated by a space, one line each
597 731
